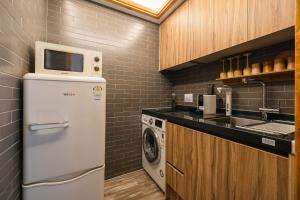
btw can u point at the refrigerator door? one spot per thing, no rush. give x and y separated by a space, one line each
89 185
64 126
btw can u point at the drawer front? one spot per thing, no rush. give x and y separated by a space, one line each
175 179
175 145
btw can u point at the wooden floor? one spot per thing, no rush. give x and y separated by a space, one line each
136 185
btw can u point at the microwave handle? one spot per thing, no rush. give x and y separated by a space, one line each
42 126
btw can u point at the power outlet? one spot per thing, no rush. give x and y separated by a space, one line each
188 98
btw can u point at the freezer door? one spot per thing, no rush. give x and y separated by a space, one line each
89 186
64 128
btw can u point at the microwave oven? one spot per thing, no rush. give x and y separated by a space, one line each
60 59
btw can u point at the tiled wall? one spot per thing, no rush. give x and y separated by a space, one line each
130 66
21 23
245 97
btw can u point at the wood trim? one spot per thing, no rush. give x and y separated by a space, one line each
144 10
297 104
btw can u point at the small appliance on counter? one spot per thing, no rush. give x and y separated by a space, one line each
207 102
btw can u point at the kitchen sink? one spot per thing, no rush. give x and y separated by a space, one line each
271 128
237 121
268 127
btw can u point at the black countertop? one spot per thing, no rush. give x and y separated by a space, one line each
195 120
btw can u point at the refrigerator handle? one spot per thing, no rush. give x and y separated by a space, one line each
65 181
36 127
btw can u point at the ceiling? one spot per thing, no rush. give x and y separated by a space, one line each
152 10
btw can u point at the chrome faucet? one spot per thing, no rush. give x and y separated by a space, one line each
264 110
228 92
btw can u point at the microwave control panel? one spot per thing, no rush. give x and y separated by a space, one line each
97 64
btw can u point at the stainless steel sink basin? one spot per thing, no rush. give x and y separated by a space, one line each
271 128
237 121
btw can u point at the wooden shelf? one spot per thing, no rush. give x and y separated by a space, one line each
268 76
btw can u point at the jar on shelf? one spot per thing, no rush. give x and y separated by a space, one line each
290 62
279 64
267 66
256 68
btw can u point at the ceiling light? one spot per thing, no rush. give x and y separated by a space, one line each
154 5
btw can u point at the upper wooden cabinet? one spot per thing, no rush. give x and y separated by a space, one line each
230 23
166 43
202 27
201 24
268 16
183 33
174 38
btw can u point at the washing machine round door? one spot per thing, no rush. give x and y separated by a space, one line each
151 145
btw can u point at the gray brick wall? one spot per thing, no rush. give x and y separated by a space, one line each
21 24
130 66
245 97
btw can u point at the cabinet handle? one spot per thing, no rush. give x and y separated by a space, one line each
36 126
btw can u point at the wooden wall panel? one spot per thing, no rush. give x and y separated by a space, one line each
297 104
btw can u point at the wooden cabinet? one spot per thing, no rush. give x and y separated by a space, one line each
182 41
167 45
220 169
202 27
230 23
175 146
200 157
268 16
175 180
174 38
246 173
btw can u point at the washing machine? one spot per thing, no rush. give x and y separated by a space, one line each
153 149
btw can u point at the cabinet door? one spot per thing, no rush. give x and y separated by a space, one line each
175 146
182 33
200 155
201 27
174 38
167 44
268 16
246 173
236 171
220 169
175 180
230 23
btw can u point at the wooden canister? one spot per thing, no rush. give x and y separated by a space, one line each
238 72
230 74
267 66
247 71
279 64
223 75
256 69
290 62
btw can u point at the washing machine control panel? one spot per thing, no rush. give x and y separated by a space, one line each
154 122
151 121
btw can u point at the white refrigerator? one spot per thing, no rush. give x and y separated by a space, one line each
63 137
